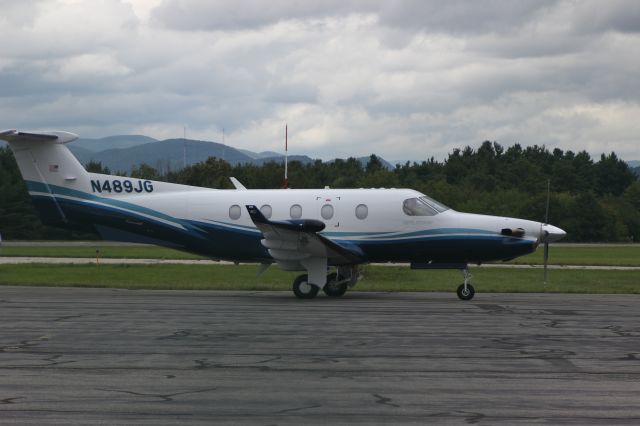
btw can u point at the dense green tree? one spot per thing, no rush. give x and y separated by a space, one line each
592 201
212 173
612 175
145 171
97 167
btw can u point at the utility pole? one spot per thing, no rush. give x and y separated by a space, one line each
184 147
286 156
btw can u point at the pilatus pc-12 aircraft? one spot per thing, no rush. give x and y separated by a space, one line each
312 230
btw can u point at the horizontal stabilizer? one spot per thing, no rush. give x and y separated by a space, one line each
54 136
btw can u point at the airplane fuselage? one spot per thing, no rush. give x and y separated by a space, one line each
216 224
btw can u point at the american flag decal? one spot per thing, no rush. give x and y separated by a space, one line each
53 167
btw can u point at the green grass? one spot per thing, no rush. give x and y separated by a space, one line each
623 255
375 278
610 255
109 251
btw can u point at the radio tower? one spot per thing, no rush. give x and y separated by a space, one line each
285 185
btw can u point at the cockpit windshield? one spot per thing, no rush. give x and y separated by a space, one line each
422 206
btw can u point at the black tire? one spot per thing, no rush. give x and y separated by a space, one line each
466 295
302 289
332 289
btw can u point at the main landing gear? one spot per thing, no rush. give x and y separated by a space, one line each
465 290
302 289
335 286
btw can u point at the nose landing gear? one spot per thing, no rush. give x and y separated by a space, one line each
465 290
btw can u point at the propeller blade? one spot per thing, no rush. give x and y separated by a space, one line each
546 212
546 260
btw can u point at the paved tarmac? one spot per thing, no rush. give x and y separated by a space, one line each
106 356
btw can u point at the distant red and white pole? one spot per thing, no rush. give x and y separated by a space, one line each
286 156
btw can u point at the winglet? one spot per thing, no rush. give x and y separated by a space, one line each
300 225
256 215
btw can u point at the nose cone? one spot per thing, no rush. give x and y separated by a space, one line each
551 233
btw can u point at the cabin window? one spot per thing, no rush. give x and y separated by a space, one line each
266 211
362 211
422 206
295 211
327 211
235 212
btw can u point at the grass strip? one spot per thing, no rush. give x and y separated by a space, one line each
605 255
111 252
374 278
624 255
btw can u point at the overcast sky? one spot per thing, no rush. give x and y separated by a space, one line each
405 79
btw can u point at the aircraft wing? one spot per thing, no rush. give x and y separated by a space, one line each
296 240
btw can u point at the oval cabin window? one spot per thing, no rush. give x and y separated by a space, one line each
235 212
327 211
362 211
295 211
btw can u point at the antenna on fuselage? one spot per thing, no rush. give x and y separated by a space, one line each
285 185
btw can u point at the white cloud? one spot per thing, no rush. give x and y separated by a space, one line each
407 79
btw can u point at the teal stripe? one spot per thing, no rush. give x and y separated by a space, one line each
422 233
355 234
444 231
59 190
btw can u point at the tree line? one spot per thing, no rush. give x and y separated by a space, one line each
594 201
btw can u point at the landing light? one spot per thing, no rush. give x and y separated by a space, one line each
513 232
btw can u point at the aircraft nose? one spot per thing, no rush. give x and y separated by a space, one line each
551 233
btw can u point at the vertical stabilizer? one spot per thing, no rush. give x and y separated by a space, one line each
48 168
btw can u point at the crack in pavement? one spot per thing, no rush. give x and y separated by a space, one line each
163 397
10 400
384 401
24 344
290 410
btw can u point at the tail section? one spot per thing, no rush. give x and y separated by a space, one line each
47 167
120 208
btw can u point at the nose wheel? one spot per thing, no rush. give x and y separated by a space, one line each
465 290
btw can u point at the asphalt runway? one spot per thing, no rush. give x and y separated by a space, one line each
105 356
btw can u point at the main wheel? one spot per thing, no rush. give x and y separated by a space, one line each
302 289
332 288
466 294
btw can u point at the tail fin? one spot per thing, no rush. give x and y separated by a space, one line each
48 167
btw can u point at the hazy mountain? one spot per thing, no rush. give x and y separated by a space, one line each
278 158
634 163
257 155
112 142
165 155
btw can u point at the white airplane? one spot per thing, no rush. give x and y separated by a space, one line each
308 230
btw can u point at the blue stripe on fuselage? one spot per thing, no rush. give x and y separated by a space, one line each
227 241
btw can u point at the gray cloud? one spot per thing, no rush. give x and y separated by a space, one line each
406 79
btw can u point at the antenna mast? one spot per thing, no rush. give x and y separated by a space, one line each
286 156
184 147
